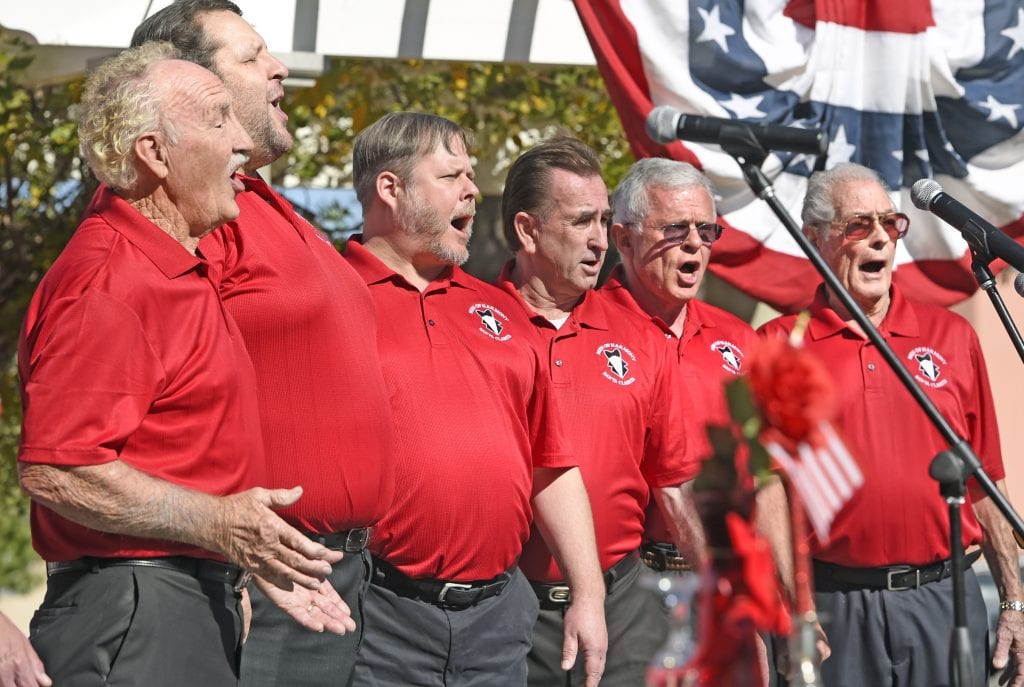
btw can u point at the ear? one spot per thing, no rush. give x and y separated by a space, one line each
526 227
623 238
811 232
388 187
151 151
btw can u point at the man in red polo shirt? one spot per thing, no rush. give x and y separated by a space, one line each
610 367
480 443
139 401
664 227
883 586
309 325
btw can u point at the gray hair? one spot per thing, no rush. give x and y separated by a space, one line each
630 204
120 102
820 201
395 143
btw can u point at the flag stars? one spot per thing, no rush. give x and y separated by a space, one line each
998 110
840 149
1015 34
714 28
744 108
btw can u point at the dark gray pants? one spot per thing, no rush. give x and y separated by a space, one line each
637 623
899 639
409 642
279 651
138 625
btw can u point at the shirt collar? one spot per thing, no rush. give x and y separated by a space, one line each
374 271
589 312
899 320
169 256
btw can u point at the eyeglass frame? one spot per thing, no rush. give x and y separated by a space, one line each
700 227
872 217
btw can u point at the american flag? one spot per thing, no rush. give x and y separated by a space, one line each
912 89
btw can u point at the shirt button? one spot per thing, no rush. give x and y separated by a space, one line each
430 322
558 363
871 367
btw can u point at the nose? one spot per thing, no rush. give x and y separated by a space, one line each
471 191
277 70
692 240
599 235
878 236
241 142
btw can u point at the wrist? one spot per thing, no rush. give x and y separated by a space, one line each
1011 606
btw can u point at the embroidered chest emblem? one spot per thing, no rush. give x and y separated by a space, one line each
492 321
930 364
619 363
732 356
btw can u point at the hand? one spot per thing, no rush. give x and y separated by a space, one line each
256 538
317 610
781 649
585 629
1009 652
19 664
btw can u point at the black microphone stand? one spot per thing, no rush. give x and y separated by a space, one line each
980 260
740 141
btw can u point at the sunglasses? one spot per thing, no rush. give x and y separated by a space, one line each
859 227
709 232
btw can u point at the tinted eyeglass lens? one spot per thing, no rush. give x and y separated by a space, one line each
708 232
859 227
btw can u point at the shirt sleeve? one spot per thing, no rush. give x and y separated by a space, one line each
980 412
89 381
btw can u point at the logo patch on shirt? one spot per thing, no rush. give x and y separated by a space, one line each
493 322
732 356
619 363
929 366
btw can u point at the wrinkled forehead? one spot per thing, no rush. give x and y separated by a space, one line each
185 87
860 197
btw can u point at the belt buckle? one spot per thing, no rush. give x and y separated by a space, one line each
449 586
559 594
356 539
241 581
899 570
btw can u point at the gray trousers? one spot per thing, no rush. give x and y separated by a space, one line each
899 639
279 651
138 625
409 642
637 621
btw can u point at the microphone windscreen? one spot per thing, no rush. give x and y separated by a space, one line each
662 124
1018 284
923 193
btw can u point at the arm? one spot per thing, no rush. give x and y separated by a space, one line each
677 507
562 514
115 497
1001 554
19 664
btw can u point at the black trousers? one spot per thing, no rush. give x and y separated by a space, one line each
637 623
413 643
279 651
138 625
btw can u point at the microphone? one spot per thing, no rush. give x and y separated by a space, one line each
666 124
1018 284
981 236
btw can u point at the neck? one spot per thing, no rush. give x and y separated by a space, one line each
418 272
875 310
161 212
542 299
672 314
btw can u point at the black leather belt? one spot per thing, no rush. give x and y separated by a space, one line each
199 568
662 557
349 541
452 595
895 578
555 594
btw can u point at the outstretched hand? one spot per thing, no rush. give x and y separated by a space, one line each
19 664
320 610
1008 655
255 537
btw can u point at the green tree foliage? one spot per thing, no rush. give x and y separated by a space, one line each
41 198
508 106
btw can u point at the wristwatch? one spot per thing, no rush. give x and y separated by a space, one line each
1011 606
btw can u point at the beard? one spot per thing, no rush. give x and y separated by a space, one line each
419 218
269 140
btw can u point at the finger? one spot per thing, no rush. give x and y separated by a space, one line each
282 575
593 665
278 498
569 648
296 541
1001 653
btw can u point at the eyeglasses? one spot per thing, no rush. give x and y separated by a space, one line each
709 232
859 227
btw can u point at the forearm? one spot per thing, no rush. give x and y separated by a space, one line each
562 514
680 512
1000 548
116 498
772 522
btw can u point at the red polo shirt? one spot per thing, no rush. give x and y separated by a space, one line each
616 386
897 516
310 327
127 354
472 401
